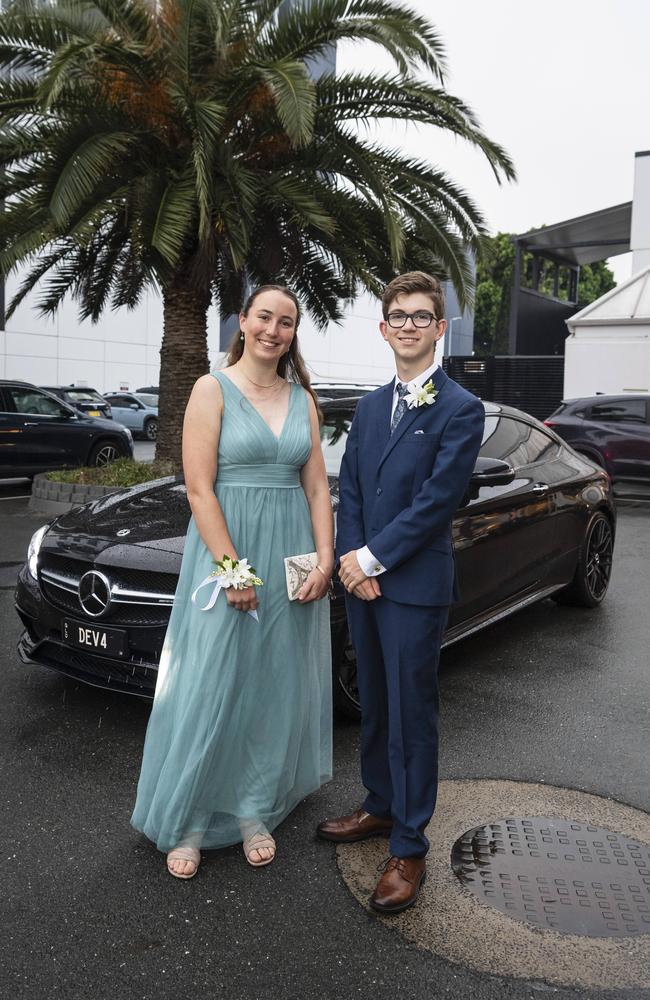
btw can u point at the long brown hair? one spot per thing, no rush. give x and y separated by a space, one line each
292 364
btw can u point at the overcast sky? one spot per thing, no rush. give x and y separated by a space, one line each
564 85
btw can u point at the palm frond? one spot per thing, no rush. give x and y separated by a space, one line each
175 219
86 169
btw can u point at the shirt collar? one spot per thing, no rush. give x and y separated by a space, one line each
420 379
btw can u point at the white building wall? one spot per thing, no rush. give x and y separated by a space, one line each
121 349
640 227
608 359
352 352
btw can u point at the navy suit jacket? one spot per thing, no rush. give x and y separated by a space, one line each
399 492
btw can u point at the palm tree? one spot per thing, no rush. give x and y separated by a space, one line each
182 144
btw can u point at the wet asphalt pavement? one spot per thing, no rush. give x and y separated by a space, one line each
554 695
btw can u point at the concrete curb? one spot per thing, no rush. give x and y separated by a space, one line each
50 497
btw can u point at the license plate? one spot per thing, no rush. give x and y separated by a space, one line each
94 413
95 638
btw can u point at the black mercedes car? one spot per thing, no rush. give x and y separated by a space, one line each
537 521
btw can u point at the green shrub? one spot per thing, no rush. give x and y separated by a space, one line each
122 472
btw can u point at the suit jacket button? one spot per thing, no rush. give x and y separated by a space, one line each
378 490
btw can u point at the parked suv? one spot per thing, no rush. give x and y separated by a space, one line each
137 411
39 432
613 431
85 400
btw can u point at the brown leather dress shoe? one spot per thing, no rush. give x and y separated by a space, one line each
358 825
399 884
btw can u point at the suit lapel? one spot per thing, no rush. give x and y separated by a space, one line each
384 407
439 379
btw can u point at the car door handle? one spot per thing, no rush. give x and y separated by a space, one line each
31 423
540 488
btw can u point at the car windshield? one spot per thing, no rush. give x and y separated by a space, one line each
85 396
148 399
333 436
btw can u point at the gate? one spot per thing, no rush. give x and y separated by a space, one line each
533 383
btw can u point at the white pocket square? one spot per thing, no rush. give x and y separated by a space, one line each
418 432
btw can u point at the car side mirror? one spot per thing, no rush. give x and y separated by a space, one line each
492 472
133 406
487 472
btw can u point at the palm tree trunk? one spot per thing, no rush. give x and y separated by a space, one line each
183 359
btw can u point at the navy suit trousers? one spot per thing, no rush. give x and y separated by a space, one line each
398 649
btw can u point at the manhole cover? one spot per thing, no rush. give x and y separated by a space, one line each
571 877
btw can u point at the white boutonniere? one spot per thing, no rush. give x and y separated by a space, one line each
421 395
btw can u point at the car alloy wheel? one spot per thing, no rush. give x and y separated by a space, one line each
598 558
591 578
151 430
105 455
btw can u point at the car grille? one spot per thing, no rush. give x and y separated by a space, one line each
137 597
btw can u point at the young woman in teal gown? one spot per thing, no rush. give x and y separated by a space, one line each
240 730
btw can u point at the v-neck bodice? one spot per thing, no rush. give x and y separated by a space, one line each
246 441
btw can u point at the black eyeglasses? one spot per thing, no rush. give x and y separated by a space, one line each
420 319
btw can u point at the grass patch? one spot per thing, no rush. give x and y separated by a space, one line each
122 472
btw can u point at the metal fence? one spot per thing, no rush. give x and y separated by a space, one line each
533 383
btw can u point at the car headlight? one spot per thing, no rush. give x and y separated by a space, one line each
34 549
129 435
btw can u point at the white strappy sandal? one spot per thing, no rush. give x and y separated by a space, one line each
259 842
191 854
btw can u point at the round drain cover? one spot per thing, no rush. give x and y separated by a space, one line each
570 877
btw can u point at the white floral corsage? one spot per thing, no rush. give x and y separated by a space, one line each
423 395
229 573
236 573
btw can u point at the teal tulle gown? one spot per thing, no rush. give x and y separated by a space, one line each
241 728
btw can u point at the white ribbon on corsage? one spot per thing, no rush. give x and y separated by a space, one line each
219 583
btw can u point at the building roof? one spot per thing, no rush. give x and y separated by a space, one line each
587 238
626 305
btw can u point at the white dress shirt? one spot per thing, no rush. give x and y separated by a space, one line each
367 562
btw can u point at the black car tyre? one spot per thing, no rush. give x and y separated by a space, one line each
103 453
345 691
151 429
589 585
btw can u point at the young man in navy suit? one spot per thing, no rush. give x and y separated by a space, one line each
409 457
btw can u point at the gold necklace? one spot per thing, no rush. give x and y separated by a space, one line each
259 384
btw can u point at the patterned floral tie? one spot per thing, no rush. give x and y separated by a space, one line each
400 409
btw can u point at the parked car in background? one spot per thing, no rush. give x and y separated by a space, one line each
39 432
340 390
137 411
613 431
87 401
538 520
151 390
